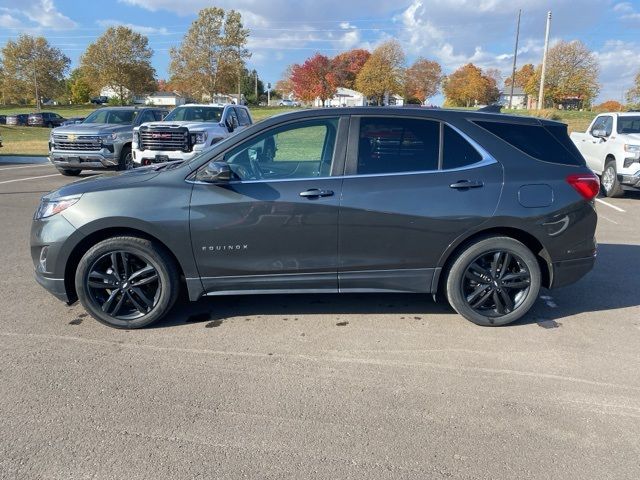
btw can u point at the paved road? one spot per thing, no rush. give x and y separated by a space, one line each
317 387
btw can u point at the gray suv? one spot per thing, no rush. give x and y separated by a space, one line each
101 141
484 209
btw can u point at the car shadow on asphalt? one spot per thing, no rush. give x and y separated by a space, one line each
610 285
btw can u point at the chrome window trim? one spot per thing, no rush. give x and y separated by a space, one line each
487 159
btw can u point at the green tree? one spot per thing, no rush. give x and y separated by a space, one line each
383 73
212 54
33 69
572 73
79 89
119 59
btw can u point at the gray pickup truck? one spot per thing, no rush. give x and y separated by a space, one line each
101 141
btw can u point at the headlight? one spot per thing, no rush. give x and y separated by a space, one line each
632 148
109 137
47 208
198 137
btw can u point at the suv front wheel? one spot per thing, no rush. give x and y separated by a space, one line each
494 281
127 282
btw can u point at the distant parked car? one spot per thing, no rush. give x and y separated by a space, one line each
3 119
19 119
99 100
285 102
72 121
45 119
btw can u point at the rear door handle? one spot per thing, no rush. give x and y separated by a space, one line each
315 192
467 184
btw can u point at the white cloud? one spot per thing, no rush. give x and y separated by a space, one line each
145 30
7 21
615 75
38 14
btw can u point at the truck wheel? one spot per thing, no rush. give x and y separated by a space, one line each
609 180
126 159
69 173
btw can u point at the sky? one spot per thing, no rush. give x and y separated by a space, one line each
452 32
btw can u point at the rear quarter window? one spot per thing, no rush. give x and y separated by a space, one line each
549 143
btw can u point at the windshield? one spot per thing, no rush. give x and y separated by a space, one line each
629 124
124 117
195 114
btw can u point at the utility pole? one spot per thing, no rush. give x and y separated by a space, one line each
515 59
255 89
544 63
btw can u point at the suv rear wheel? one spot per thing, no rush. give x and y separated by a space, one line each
494 281
127 282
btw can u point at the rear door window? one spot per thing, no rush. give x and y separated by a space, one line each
396 145
549 143
458 152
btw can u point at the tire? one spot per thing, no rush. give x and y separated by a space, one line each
127 298
69 173
126 159
464 281
609 180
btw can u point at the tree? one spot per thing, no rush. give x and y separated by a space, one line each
79 88
212 54
32 69
250 83
119 59
572 74
523 76
383 72
285 86
468 86
633 95
314 79
609 106
423 79
347 65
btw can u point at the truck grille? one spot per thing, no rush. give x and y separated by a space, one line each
77 142
164 139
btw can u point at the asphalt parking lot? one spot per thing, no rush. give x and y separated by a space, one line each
306 387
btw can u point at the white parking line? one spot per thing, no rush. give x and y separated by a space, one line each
29 178
612 206
27 166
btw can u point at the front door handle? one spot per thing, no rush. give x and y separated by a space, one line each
315 193
467 184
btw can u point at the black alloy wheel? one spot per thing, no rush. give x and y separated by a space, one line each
494 281
127 282
124 285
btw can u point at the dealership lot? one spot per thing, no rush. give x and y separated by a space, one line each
353 386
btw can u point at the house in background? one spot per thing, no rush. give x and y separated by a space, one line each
344 97
165 99
111 92
519 101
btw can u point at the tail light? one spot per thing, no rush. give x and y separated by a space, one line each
586 184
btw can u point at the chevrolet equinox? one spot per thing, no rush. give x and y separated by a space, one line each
484 209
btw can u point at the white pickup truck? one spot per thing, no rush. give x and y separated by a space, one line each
611 147
187 131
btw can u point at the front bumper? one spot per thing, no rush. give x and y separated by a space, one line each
90 160
147 157
55 286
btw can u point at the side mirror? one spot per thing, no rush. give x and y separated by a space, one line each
230 124
214 172
599 133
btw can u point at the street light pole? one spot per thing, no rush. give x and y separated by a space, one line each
544 63
515 59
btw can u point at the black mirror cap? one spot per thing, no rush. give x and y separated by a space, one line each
214 172
229 124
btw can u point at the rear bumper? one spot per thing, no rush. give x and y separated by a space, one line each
55 286
570 271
